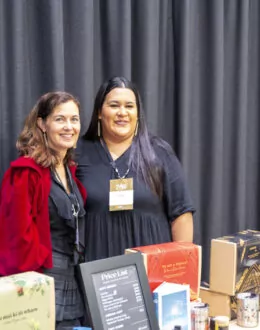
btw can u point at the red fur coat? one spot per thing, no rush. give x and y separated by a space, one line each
25 239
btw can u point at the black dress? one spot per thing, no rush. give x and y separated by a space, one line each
68 299
110 233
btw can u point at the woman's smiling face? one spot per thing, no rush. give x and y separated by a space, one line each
62 126
119 114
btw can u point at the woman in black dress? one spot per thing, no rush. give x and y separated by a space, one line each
148 203
66 211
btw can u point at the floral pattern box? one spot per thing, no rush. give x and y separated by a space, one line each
27 302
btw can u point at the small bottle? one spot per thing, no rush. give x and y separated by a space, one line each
247 309
221 323
199 316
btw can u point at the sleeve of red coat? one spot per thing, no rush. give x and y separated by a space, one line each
20 247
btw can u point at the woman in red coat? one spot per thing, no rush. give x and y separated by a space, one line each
42 204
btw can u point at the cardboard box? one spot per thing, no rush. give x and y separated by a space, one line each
27 301
172 305
219 303
175 262
235 263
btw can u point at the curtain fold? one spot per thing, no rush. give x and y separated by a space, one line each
195 62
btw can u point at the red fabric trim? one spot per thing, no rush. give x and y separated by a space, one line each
25 240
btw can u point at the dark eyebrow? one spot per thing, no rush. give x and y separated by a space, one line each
55 116
113 101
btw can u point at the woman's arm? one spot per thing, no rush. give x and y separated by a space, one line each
177 200
182 228
20 246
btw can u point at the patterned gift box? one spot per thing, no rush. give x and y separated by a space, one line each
27 302
235 263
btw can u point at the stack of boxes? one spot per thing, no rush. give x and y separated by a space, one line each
234 268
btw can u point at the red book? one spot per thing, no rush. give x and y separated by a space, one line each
175 262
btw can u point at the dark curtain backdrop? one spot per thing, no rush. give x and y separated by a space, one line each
196 63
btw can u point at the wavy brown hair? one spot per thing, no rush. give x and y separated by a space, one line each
31 141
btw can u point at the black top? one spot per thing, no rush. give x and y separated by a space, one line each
62 222
68 301
110 233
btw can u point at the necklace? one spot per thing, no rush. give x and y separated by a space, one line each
75 207
67 189
113 163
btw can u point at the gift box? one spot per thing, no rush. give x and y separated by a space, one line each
172 305
27 301
235 263
219 303
174 262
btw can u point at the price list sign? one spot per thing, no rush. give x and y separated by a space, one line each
118 294
120 299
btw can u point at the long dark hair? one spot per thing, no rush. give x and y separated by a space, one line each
143 158
31 140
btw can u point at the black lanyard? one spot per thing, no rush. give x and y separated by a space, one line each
113 163
75 207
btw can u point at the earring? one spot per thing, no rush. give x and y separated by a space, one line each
45 139
98 129
136 128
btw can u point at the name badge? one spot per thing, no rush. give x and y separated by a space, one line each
121 195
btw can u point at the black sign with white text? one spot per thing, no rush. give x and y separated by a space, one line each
120 299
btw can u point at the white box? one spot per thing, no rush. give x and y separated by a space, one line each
172 305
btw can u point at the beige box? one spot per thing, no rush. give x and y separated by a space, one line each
219 303
27 302
235 263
